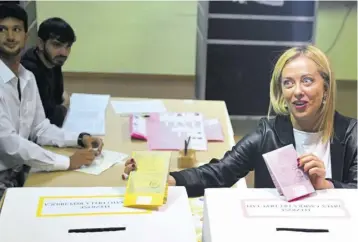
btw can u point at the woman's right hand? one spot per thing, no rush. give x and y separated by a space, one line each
131 165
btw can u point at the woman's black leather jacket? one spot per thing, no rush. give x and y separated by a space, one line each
272 134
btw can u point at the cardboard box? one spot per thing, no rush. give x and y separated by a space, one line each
61 214
255 214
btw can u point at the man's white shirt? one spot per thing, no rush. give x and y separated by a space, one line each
24 126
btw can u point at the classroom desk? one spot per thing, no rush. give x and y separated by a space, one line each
117 138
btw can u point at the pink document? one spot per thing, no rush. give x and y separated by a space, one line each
138 127
168 131
289 179
213 130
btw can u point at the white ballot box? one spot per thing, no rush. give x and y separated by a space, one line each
92 215
262 215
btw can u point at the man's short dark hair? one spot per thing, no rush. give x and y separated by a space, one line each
8 10
58 29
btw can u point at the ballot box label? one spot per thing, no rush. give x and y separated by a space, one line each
84 206
258 208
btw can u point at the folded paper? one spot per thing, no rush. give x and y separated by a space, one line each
289 179
147 186
87 113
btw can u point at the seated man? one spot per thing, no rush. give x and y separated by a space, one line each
55 38
23 125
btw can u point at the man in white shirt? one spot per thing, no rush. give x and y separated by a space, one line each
23 125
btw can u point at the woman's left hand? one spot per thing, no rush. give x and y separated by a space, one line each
316 170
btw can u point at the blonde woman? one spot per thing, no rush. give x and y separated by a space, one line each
302 96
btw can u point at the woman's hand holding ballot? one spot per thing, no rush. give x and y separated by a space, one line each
316 171
131 165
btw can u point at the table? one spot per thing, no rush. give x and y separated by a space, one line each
117 138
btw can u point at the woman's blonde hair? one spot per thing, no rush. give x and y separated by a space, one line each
277 102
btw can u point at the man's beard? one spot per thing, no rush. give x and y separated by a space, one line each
51 60
9 55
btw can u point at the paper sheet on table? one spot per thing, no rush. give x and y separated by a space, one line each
138 107
87 113
147 187
106 160
81 101
92 122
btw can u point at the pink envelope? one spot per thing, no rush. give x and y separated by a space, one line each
289 179
138 127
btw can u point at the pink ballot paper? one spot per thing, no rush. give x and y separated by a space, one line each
169 131
289 179
213 130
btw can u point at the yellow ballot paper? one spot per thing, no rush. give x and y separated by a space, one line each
147 187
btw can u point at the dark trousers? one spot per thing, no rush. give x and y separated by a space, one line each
14 177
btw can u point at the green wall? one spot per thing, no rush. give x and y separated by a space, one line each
154 37
158 37
343 55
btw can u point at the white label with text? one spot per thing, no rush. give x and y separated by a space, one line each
274 208
83 206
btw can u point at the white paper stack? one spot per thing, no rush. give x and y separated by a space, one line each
126 107
87 113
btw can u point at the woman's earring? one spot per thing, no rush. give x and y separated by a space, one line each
324 100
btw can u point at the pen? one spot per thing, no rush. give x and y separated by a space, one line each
186 146
303 230
96 230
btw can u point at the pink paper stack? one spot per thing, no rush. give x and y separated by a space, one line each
169 130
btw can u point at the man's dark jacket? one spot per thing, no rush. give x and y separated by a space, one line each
272 134
50 86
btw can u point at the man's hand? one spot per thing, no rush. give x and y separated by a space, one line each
93 143
66 99
316 171
80 158
131 165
